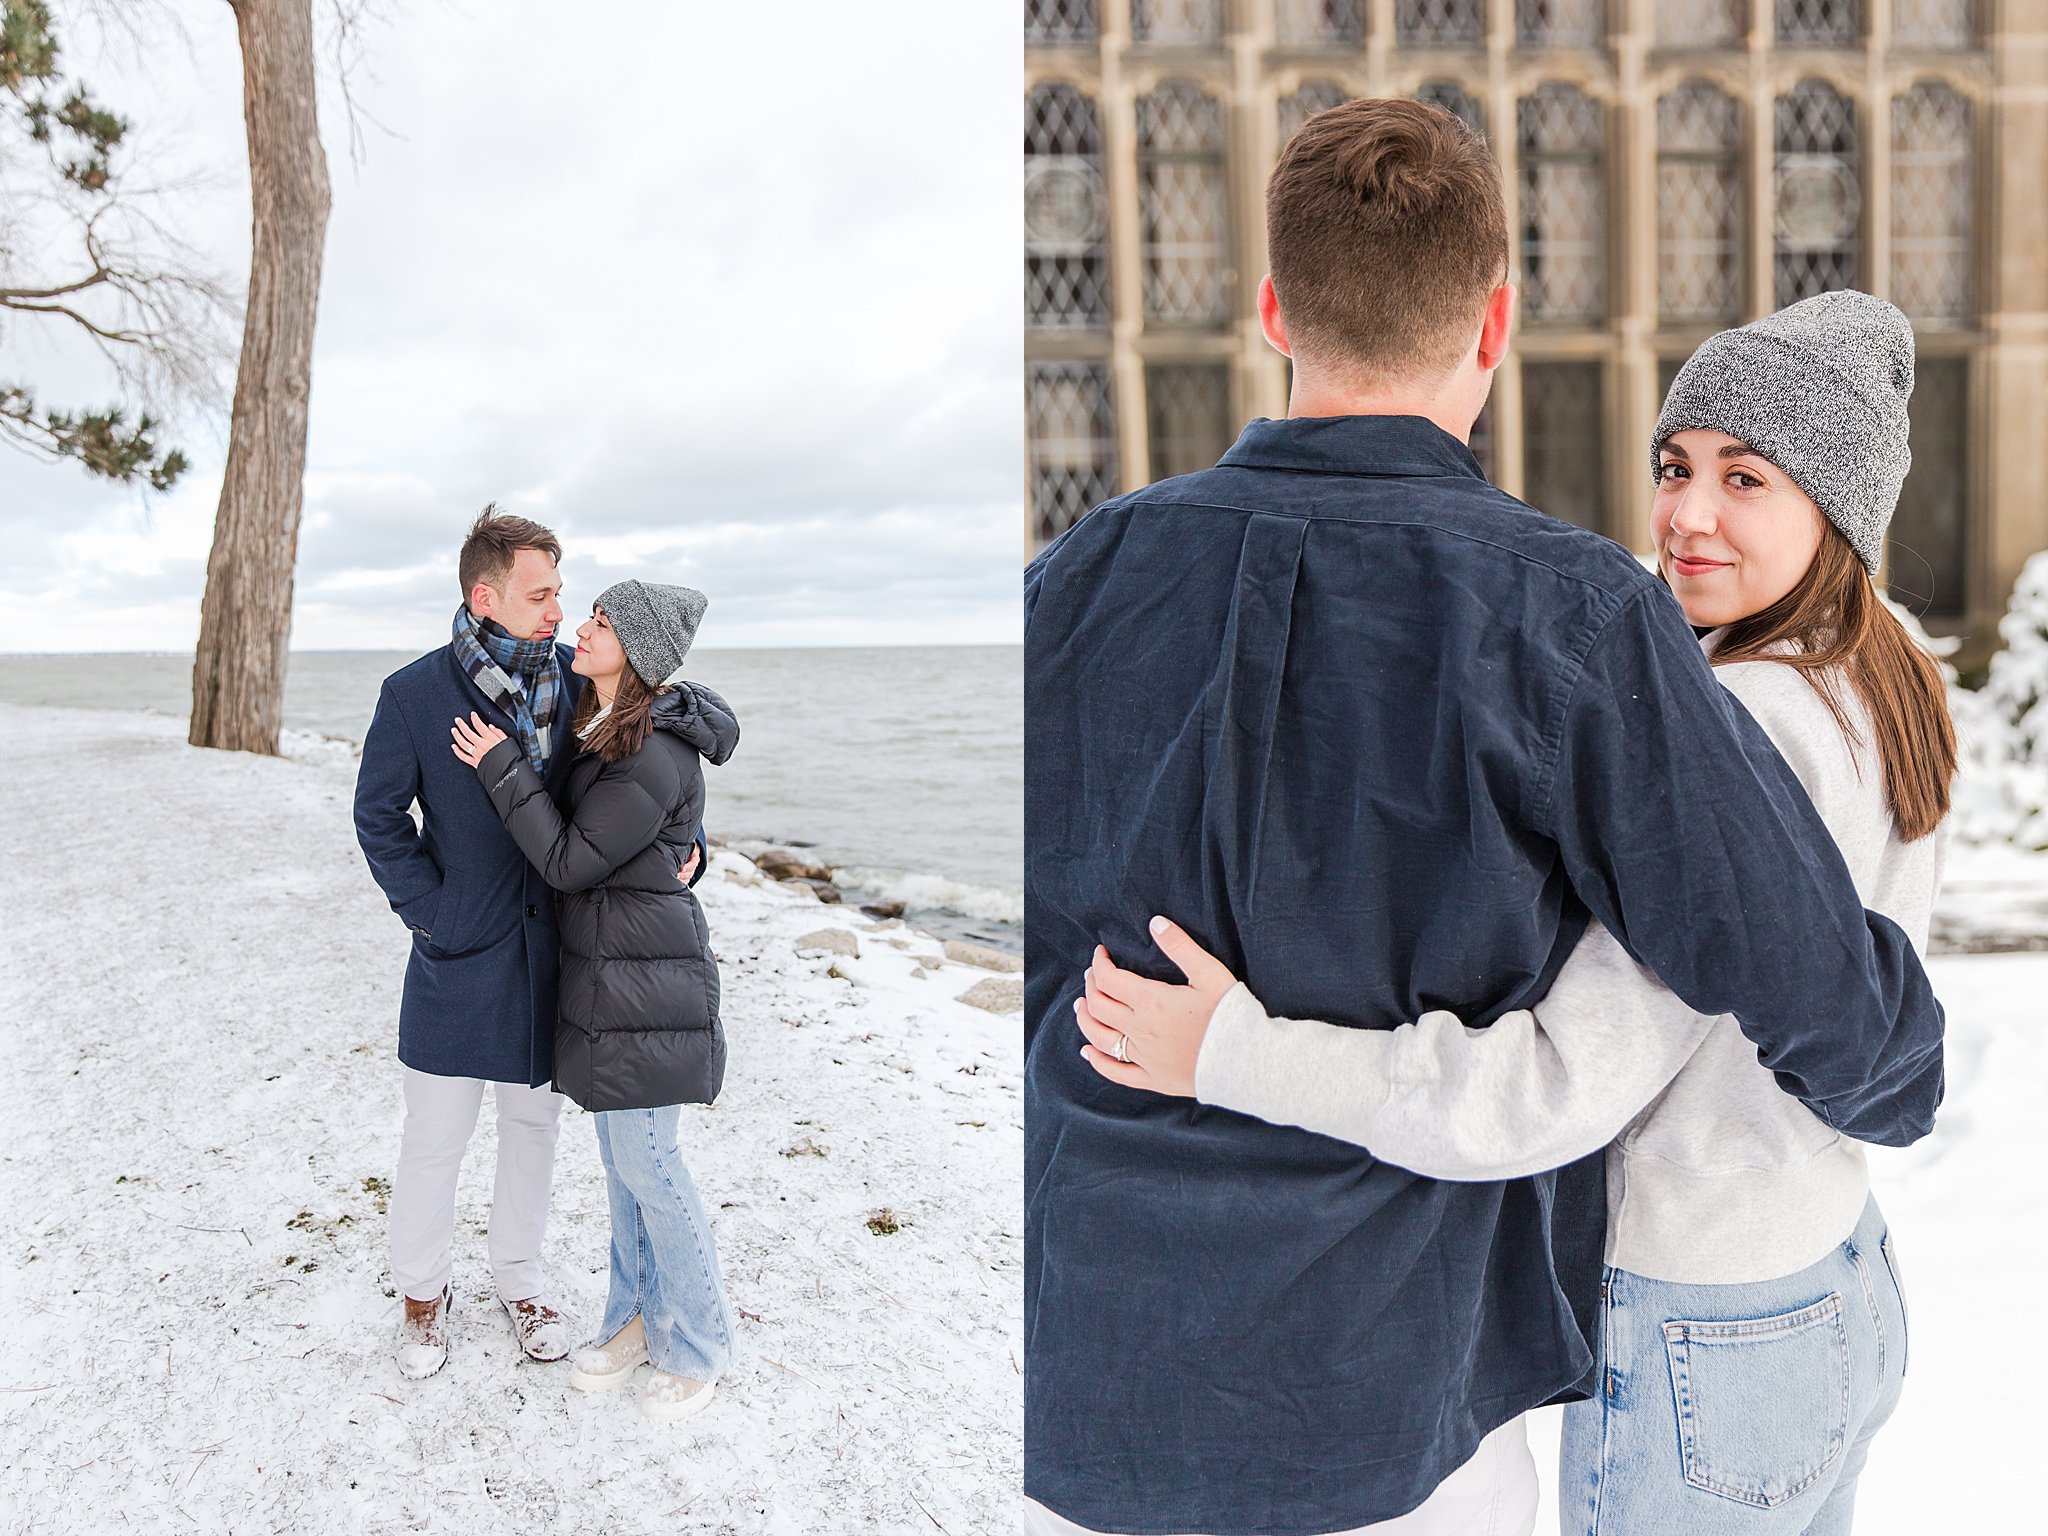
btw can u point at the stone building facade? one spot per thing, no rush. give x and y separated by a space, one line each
1670 167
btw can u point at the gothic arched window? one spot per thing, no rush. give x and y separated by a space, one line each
1560 23
1457 101
1066 255
1702 23
1564 204
1072 435
1440 23
1934 24
1305 101
1931 203
1060 21
1319 23
1819 23
1699 204
1183 23
1818 199
1182 205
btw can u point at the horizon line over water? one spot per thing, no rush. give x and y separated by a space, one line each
902 766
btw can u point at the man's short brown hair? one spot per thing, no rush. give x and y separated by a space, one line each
1385 231
493 539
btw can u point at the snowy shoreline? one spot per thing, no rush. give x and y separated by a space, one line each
204 983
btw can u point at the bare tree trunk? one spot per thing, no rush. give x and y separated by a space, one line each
245 619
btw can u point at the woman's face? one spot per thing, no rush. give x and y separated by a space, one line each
598 652
1733 533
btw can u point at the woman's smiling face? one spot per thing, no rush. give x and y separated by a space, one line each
1733 532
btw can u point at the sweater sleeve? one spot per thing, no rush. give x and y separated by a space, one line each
1537 1089
615 819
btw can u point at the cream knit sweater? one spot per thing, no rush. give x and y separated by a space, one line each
1714 1175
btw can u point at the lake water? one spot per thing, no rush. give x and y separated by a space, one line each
901 767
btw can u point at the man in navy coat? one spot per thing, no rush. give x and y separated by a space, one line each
479 1002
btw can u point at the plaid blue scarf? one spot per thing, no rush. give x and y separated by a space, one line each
521 677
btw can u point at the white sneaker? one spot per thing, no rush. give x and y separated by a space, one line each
423 1335
668 1398
601 1367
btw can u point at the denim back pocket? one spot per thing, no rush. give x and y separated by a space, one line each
1763 1403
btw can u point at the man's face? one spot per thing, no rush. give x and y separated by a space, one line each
528 605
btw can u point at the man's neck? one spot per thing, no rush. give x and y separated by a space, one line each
1311 399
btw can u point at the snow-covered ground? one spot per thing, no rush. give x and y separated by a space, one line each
201 986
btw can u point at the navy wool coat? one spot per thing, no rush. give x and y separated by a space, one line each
480 986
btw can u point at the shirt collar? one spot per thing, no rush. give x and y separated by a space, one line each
1399 446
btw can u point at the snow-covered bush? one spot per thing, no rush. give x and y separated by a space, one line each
2002 791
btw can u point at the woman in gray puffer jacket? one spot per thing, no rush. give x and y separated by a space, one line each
637 1031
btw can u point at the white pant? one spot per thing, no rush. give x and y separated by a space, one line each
1493 1494
440 1116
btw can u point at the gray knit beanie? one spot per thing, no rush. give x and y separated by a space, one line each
1820 390
655 625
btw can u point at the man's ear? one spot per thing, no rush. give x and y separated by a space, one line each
1497 326
1271 321
483 602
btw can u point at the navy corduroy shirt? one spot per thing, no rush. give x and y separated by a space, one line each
1379 736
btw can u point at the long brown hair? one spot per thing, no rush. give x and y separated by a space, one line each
1834 619
624 731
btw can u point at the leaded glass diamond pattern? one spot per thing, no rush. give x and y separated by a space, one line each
1187 416
1181 23
1066 259
1182 206
1180 118
1818 198
1072 435
1934 24
1560 23
1931 203
1440 23
1457 101
1060 21
1699 145
1304 102
1319 23
1819 23
1564 214
1701 23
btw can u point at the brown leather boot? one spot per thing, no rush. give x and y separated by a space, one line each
423 1336
542 1332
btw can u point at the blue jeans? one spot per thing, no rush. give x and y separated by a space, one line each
664 1264
1737 1410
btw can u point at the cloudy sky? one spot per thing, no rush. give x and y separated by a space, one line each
726 294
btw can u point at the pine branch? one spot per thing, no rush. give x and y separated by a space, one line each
99 440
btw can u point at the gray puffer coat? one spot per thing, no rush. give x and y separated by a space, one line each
637 1026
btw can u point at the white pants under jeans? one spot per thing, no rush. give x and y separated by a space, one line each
1493 1494
440 1116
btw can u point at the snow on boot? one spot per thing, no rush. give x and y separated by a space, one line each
668 1398
601 1367
542 1332
423 1336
